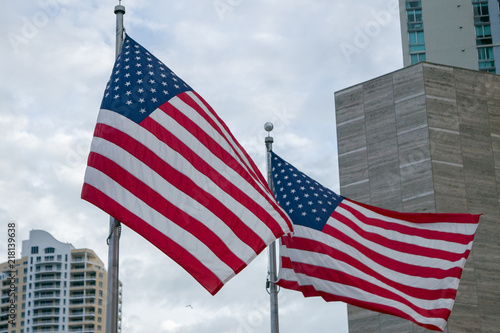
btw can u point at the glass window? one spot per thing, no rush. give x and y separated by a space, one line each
417 48
414 15
483 31
486 64
413 4
416 37
417 57
34 249
485 53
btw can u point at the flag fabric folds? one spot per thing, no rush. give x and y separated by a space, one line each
404 264
164 164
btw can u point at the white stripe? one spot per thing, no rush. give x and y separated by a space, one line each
178 162
313 258
358 294
185 239
434 244
457 228
201 150
417 260
223 140
175 196
410 280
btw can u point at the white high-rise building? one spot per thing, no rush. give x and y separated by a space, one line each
57 288
460 33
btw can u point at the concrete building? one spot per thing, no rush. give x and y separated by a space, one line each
58 288
426 138
461 33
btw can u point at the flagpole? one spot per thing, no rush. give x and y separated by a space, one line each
273 290
114 224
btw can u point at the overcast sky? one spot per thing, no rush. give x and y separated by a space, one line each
253 60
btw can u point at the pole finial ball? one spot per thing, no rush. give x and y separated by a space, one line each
268 126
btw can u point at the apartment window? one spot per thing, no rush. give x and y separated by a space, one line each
414 19
481 12
34 249
416 58
416 39
483 35
415 31
50 250
486 59
413 4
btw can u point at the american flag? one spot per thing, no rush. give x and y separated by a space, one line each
163 163
405 264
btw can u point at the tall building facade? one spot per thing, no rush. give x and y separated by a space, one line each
461 33
426 138
57 289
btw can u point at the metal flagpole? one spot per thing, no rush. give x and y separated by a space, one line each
273 290
114 224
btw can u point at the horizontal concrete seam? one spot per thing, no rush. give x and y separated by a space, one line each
444 130
413 163
448 163
355 183
418 196
352 151
350 121
442 98
412 129
422 93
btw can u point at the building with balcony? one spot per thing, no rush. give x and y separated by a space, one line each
57 288
461 33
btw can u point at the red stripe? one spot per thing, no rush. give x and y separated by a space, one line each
167 209
193 104
423 217
310 291
194 129
202 166
402 267
192 265
349 280
168 138
399 245
429 234
308 245
183 183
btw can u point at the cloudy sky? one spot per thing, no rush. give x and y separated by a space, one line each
253 61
